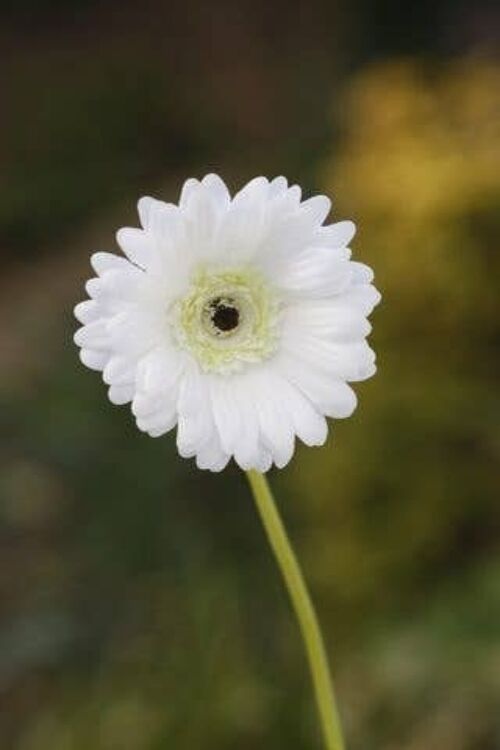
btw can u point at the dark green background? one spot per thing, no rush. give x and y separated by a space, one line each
139 605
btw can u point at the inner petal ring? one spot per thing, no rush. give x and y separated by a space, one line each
227 319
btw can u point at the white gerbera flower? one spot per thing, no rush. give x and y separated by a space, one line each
240 320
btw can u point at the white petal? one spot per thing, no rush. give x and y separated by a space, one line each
133 332
242 225
317 208
315 273
211 456
155 432
336 235
309 425
288 233
255 190
87 311
333 398
94 335
338 360
284 201
284 411
218 189
147 207
247 449
119 371
166 250
165 224
362 274
264 461
159 423
202 212
146 404
159 371
359 360
94 360
102 262
323 319
362 297
276 427
226 414
195 421
156 413
268 398
137 245
278 186
123 285
190 186
120 394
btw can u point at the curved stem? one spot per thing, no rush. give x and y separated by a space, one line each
303 607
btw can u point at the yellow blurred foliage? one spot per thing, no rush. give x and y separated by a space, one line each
419 167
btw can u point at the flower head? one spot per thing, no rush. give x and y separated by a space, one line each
240 320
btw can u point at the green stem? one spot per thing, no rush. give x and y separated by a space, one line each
304 610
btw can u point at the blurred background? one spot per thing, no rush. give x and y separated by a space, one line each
140 608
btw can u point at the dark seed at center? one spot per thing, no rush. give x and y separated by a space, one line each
224 316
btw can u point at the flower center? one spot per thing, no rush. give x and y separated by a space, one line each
224 314
227 319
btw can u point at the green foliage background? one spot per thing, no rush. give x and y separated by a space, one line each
140 608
